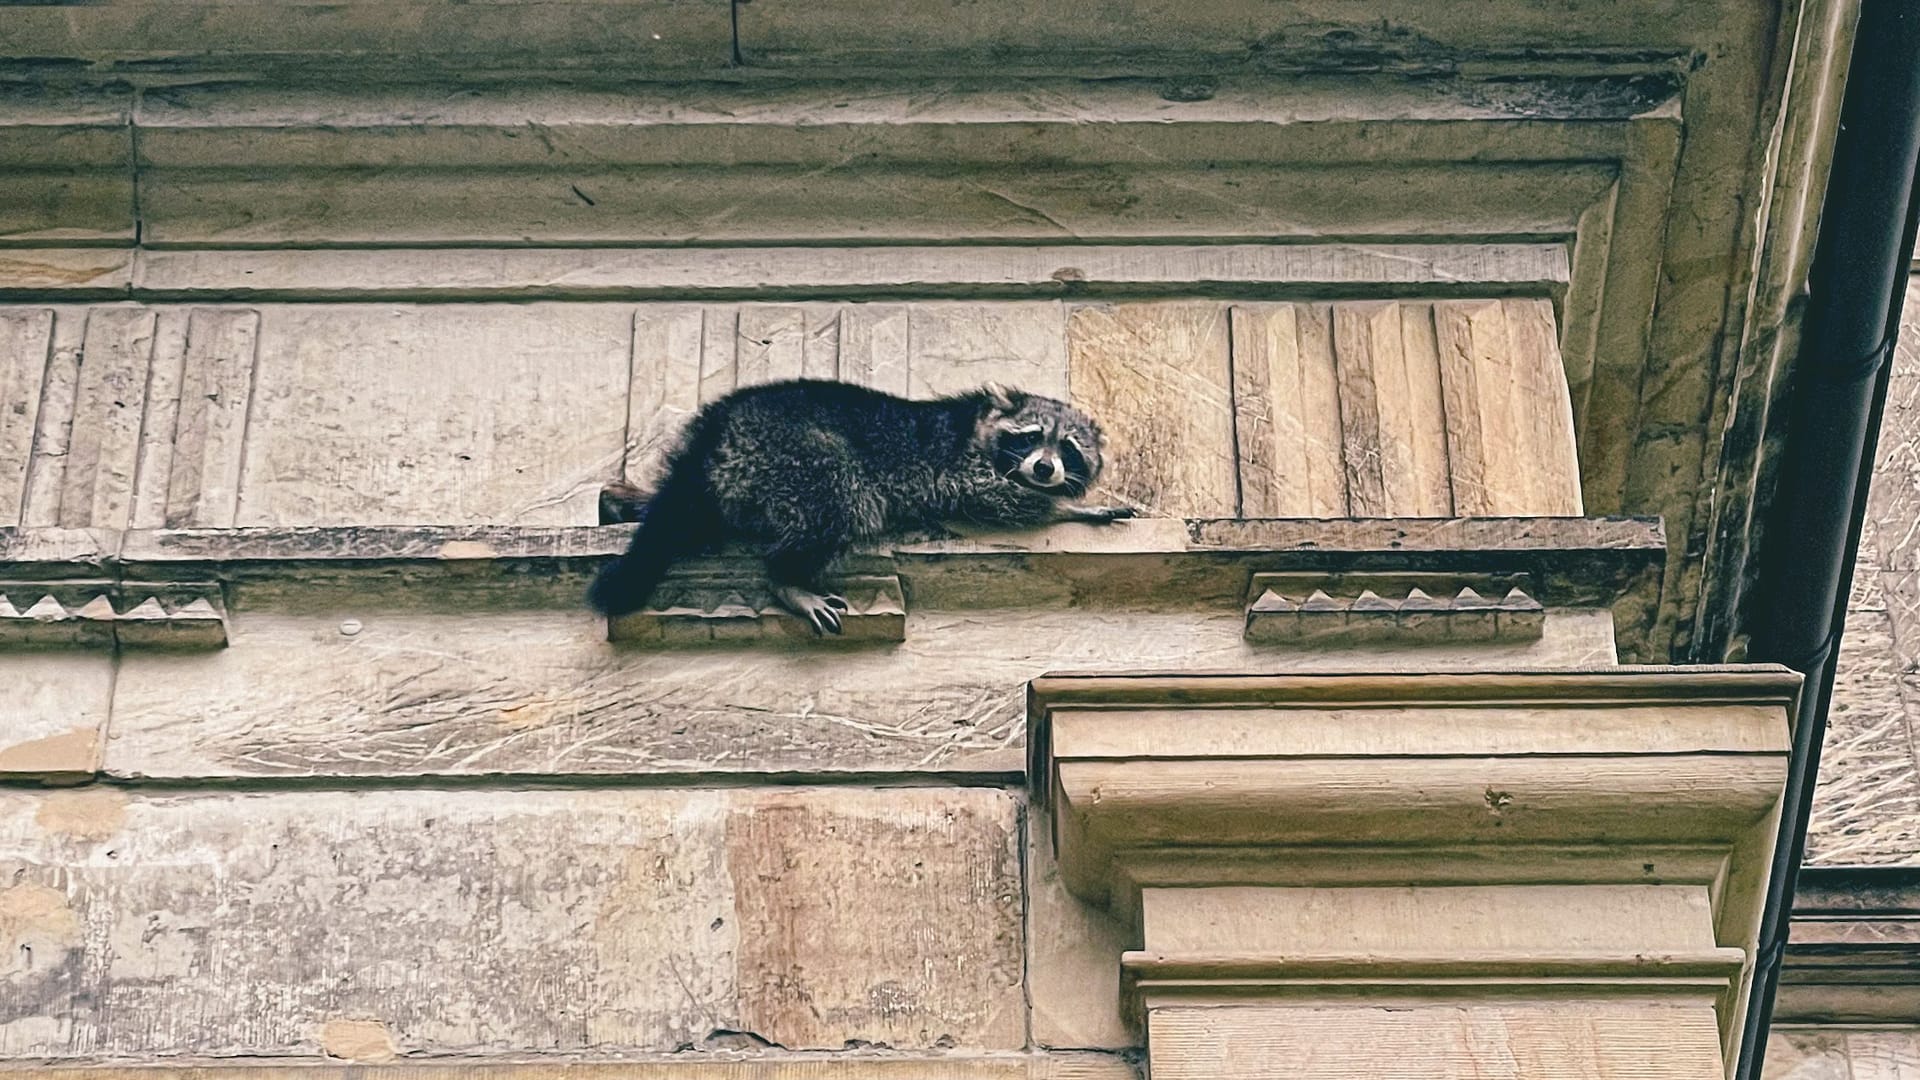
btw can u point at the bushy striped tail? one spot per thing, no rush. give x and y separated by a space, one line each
670 529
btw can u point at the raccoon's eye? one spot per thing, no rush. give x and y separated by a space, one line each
1075 461
1020 442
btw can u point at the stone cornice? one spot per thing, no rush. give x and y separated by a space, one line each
1546 839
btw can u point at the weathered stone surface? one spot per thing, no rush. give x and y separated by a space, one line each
53 429
1884 1055
957 347
873 346
1894 495
600 921
375 36
55 705
903 271
1073 949
1866 807
1616 1041
356 686
26 338
663 384
108 410
1510 441
860 1064
203 490
1392 424
855 202
1402 409
80 205
372 415
1159 379
1805 1054
1287 405
68 273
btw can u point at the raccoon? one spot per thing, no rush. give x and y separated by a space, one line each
804 469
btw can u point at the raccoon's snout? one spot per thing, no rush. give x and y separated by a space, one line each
1042 469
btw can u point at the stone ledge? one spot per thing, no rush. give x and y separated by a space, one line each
1853 954
1161 562
1065 1065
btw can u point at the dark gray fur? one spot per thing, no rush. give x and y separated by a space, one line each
807 468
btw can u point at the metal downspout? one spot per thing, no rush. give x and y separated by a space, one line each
1856 287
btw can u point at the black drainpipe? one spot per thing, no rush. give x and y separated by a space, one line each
1855 291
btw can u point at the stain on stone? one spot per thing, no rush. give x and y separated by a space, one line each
28 273
466 549
357 1040
39 952
73 753
91 813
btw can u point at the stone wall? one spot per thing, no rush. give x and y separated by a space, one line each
1867 807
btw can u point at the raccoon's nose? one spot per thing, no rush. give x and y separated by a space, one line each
1043 470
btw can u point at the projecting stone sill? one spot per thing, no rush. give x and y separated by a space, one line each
1163 563
1577 559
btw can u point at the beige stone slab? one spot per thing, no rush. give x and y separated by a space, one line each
1866 805
1287 412
1462 921
1393 433
719 351
1893 497
835 272
1509 453
26 342
108 411
1583 1040
856 1065
1159 380
891 912
975 117
356 686
53 429
1319 729
1564 799
858 202
1217 32
1884 1055
51 125
1796 1053
608 921
476 413
76 273
770 343
210 434
81 205
55 708
166 378
1073 958
406 38
874 346
664 383
956 347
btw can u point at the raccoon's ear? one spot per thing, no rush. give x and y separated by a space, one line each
1000 396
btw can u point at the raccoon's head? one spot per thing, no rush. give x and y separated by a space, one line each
1041 442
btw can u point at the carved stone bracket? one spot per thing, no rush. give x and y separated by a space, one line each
175 617
704 611
1300 609
1564 868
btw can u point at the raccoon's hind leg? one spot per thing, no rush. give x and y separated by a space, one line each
795 568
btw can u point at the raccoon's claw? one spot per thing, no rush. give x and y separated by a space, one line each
822 612
1099 515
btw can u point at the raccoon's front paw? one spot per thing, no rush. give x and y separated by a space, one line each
1099 515
821 611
